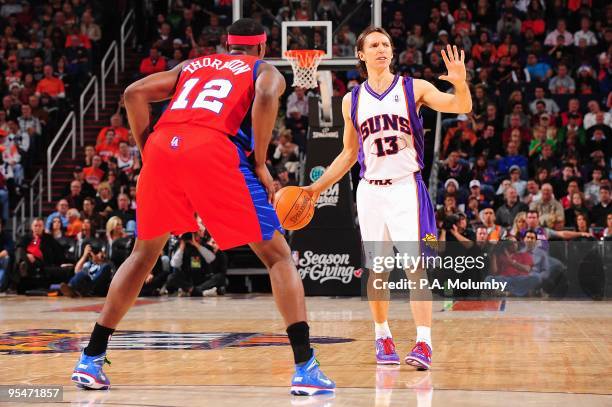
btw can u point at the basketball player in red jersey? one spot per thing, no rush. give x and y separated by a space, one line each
206 155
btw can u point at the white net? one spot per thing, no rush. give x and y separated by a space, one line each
304 64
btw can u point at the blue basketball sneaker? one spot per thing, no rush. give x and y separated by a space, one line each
309 380
88 372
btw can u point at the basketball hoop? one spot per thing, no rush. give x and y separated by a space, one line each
304 63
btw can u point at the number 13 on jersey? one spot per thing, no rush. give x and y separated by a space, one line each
210 97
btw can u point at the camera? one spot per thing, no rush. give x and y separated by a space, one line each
187 237
449 221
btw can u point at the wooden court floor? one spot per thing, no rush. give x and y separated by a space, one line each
231 351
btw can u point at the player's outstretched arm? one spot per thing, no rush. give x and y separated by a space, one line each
269 86
428 95
153 88
345 160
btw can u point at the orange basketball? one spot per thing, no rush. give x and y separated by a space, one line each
294 207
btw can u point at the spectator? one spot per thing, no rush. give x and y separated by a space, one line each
90 28
585 33
75 199
494 231
561 30
38 259
461 138
453 168
286 154
92 274
590 119
600 212
513 267
105 204
572 188
116 124
50 85
591 189
515 125
108 148
539 70
519 225
533 192
190 262
515 178
541 261
548 207
582 225
451 187
74 223
509 24
89 213
94 174
7 248
607 233
512 158
483 197
298 100
61 213
123 211
505 214
562 83
551 106
577 206
483 172
126 162
153 63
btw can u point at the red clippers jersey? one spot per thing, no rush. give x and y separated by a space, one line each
213 91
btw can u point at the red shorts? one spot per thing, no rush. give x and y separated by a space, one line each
194 170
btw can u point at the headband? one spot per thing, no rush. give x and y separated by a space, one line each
246 39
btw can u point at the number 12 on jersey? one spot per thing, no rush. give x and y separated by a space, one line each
209 97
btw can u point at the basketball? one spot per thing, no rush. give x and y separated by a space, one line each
294 207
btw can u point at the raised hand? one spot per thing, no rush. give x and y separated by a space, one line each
455 65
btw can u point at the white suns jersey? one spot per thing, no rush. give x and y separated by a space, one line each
389 129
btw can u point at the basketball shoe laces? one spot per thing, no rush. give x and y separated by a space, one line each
422 346
388 346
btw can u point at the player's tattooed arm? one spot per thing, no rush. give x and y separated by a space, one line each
461 102
137 97
345 160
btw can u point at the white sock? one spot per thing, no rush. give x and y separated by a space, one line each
424 335
382 330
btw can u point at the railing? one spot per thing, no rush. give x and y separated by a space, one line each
51 157
36 201
130 19
105 68
84 107
435 163
19 218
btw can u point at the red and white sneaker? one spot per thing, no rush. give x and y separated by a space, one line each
420 356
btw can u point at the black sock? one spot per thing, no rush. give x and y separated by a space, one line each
300 341
98 342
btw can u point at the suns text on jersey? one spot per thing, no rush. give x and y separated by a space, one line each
235 65
384 122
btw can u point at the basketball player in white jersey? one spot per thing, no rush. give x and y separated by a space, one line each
383 130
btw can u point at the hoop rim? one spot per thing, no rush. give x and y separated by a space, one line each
306 58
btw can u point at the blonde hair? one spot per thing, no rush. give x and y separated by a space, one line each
74 212
515 230
112 224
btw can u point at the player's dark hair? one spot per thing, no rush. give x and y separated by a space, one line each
360 43
244 26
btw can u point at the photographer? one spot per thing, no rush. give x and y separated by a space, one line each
190 262
92 274
455 229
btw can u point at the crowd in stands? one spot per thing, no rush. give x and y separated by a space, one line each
531 159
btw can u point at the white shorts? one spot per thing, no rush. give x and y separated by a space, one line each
399 212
